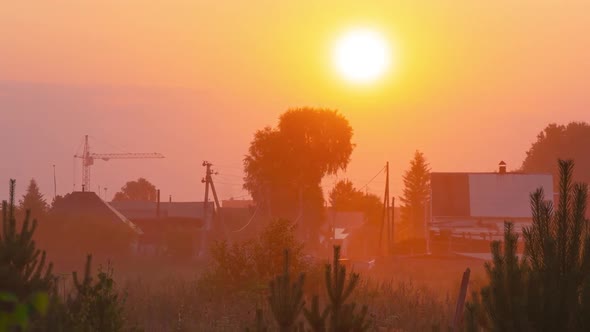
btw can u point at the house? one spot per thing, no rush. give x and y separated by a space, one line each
86 204
237 203
340 225
152 210
82 222
169 227
475 205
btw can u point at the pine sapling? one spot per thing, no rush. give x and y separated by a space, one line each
315 317
23 267
286 298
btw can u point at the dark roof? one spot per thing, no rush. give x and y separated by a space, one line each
146 209
88 204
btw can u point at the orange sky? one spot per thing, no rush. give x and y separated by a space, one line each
476 81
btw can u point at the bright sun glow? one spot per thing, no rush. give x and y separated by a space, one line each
362 55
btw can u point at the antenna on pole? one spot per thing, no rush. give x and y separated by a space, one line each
54 184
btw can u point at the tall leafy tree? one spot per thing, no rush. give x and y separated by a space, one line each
140 190
285 165
33 201
415 196
560 142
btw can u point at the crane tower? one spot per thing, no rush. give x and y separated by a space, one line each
89 157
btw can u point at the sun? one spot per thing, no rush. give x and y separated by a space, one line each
362 55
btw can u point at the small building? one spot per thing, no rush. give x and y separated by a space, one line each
340 225
475 205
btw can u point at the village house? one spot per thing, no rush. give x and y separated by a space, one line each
467 205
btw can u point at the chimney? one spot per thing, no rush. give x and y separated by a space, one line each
158 204
502 167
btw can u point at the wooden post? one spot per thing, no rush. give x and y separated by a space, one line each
461 300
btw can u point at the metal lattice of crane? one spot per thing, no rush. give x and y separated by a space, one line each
89 157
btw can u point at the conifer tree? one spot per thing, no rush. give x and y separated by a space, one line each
340 286
505 298
558 247
286 298
415 195
23 268
315 317
96 306
33 201
286 302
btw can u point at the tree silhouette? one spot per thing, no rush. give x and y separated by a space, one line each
286 298
560 142
285 165
33 201
345 197
140 190
415 195
23 269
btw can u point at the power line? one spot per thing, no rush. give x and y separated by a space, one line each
373 178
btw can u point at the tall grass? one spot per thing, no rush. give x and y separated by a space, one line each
186 304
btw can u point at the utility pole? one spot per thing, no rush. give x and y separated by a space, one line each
392 222
385 220
208 181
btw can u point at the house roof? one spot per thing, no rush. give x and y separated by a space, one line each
486 195
88 204
147 209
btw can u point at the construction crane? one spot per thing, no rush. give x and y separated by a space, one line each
89 157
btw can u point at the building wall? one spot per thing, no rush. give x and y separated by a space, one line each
506 195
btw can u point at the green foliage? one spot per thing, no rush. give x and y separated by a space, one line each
96 305
286 301
139 190
316 318
549 289
556 246
240 266
23 270
286 298
15 313
284 166
415 195
268 249
339 286
505 298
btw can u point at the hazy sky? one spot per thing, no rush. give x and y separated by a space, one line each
475 82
